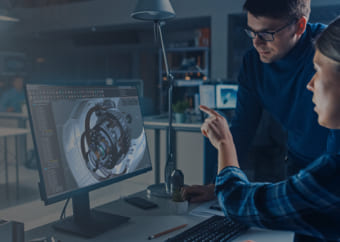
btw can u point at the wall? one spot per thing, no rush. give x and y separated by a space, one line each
114 13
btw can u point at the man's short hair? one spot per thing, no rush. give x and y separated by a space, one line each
289 9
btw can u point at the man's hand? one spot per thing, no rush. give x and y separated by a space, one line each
198 193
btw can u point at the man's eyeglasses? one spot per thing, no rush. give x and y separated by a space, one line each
266 35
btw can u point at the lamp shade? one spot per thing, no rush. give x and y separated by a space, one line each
5 16
153 10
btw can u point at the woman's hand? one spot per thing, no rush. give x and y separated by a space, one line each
198 193
216 129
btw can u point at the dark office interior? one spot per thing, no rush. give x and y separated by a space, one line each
95 43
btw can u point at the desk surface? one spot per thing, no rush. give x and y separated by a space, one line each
161 122
5 132
13 115
144 223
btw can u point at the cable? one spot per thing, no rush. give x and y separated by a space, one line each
62 215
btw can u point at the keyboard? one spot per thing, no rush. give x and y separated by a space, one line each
215 228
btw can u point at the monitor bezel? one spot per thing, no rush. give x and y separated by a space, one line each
69 194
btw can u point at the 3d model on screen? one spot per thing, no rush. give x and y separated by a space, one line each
108 141
228 96
102 134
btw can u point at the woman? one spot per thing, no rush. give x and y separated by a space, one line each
307 203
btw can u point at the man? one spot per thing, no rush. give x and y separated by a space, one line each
13 99
273 77
307 203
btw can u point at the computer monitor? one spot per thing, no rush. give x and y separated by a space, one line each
226 96
138 83
208 95
86 137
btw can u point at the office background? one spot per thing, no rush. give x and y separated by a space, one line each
91 42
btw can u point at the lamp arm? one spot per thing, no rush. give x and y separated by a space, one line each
170 162
158 24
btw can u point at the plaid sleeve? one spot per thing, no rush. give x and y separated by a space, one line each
304 203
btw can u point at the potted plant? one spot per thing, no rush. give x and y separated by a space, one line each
179 108
178 204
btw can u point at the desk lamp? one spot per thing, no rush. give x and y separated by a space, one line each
5 15
158 11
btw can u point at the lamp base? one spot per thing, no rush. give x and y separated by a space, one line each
158 190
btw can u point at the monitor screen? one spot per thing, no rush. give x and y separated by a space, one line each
131 82
226 96
208 95
86 138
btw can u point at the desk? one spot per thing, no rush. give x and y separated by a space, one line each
20 117
17 133
143 223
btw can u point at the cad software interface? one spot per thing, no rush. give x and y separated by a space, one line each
86 135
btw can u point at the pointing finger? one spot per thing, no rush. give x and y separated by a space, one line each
209 111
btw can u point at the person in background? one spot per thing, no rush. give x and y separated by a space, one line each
13 98
2 86
308 202
273 77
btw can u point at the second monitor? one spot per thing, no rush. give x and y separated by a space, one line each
219 96
226 96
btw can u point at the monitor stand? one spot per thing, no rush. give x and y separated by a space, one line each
88 223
